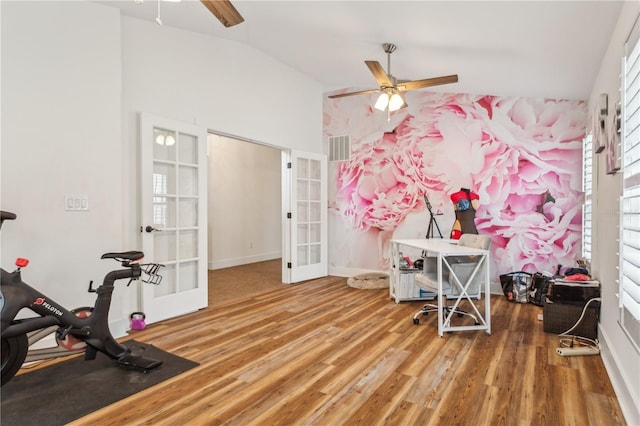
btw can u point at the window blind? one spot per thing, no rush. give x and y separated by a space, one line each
630 203
587 188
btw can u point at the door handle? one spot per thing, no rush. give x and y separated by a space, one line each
150 228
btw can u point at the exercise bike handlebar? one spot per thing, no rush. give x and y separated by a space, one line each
133 271
129 260
6 216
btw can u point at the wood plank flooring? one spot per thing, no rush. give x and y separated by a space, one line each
322 353
233 283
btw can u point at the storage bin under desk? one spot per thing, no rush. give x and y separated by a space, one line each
408 290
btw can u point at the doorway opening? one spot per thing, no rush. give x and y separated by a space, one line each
244 216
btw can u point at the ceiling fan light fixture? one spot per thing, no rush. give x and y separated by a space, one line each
390 89
395 102
382 102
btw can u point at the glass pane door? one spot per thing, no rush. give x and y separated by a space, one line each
174 154
309 225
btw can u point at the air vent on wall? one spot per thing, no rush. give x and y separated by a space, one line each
339 148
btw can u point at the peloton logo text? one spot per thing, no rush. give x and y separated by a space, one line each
41 301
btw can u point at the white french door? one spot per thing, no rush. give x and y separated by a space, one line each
174 215
305 226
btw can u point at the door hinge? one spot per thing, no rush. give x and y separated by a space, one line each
289 165
289 215
288 265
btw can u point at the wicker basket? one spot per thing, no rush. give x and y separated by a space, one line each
559 317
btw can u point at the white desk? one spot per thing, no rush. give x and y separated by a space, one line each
443 249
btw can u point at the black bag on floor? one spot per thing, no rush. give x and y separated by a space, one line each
539 288
515 286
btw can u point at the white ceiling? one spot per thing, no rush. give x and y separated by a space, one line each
549 49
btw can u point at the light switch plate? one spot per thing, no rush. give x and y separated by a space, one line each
76 203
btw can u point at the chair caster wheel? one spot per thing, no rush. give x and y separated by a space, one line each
477 323
416 321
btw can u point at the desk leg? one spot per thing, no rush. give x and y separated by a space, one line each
394 269
483 321
440 297
487 295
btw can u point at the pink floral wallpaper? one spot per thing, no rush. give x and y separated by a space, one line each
522 156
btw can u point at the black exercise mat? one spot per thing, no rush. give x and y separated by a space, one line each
66 391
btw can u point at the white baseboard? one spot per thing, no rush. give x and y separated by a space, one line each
496 288
119 328
351 272
630 408
227 263
46 342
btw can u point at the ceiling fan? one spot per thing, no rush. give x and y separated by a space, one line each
390 87
224 11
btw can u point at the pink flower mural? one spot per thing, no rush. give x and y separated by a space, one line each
522 156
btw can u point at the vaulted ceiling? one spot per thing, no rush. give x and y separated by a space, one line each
549 49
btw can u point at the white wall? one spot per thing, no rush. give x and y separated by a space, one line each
74 77
223 86
245 214
60 136
621 358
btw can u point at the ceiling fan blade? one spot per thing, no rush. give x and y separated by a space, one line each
427 82
378 72
224 11
362 92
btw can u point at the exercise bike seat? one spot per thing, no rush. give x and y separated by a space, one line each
138 361
125 255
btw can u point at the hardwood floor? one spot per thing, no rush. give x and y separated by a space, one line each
322 353
236 282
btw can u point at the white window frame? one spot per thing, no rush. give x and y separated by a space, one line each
629 282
